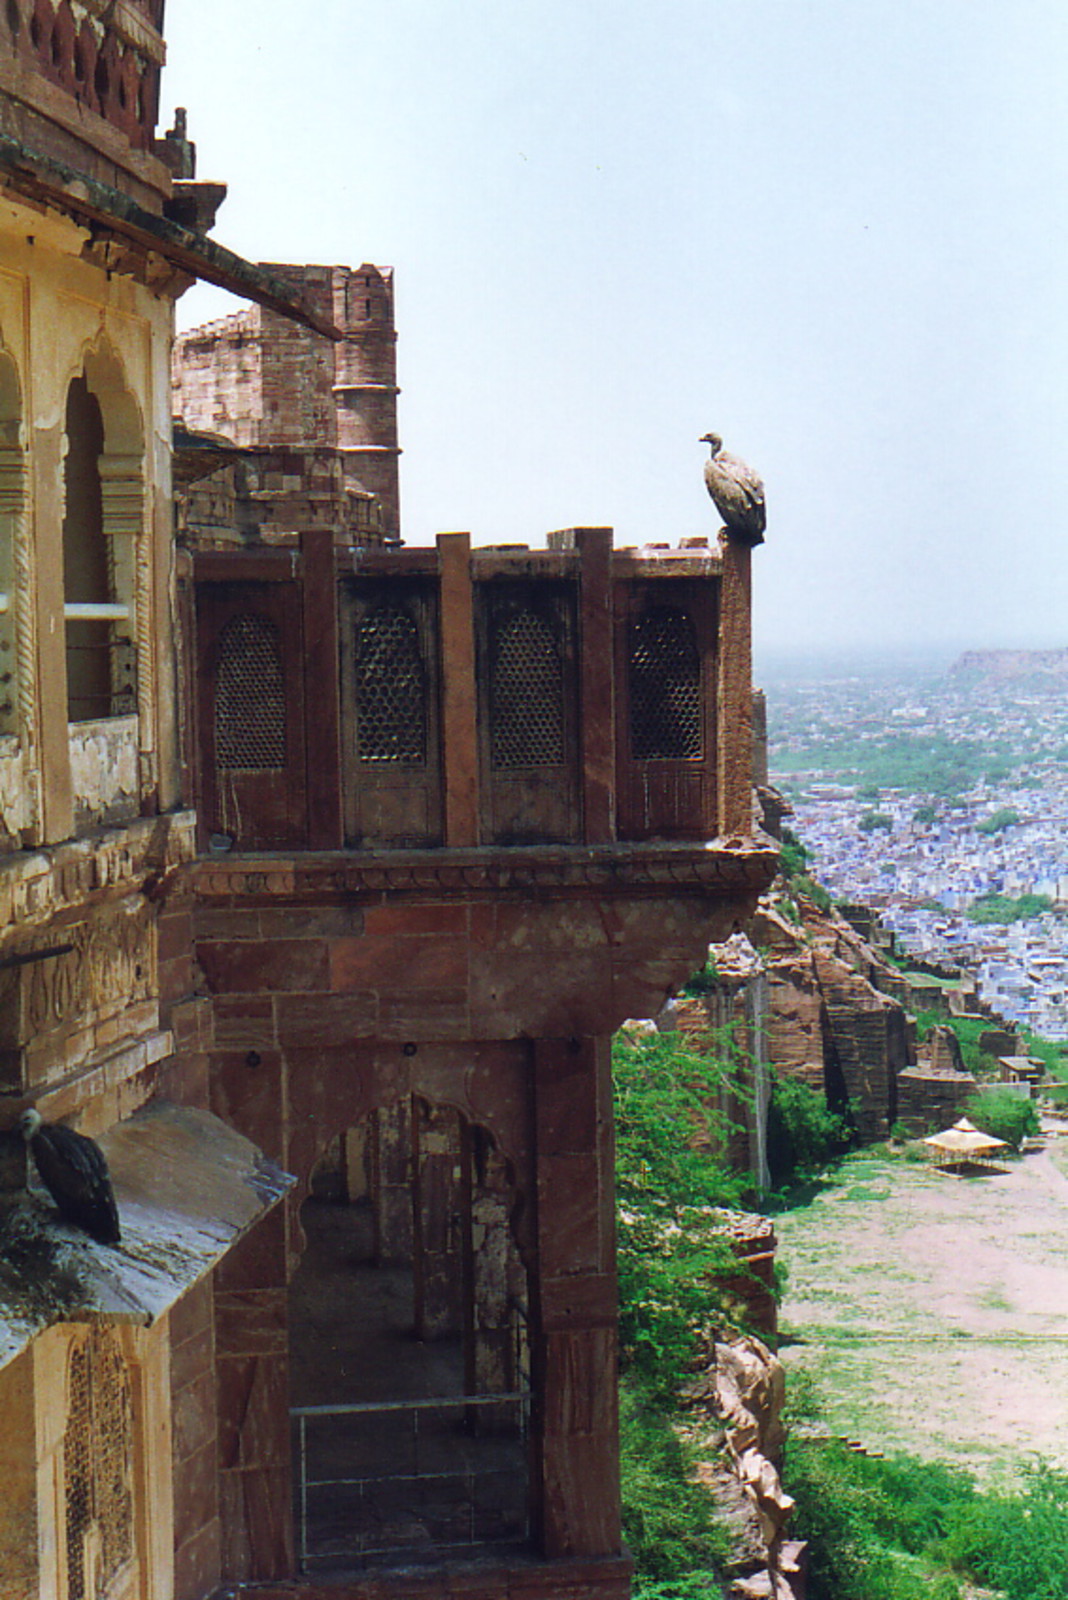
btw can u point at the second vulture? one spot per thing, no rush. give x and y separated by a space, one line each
75 1173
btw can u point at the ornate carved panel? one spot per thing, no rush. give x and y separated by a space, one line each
68 976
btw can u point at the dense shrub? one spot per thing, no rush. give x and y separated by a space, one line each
802 1134
794 857
1016 1543
1002 1115
869 1523
669 1519
900 1529
670 1176
671 1129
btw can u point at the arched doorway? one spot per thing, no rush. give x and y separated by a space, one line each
409 1363
105 562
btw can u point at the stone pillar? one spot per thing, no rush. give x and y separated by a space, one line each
598 686
575 1413
19 1532
252 1378
491 1297
734 709
56 795
459 702
321 694
390 1160
194 1447
436 1206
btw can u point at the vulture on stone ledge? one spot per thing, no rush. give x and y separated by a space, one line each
737 492
75 1173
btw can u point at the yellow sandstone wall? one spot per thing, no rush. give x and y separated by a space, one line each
60 316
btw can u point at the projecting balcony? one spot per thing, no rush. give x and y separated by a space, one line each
417 700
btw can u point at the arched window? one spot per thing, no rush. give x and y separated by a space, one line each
101 657
250 706
391 710
526 693
665 687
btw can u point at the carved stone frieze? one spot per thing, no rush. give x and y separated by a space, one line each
64 975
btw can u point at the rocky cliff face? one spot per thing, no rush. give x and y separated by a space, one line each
737 1403
810 995
830 1021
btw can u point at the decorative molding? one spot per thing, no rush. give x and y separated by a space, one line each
722 869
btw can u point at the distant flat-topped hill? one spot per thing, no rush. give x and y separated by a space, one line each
1034 667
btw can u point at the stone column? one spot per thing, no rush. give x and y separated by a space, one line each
489 1262
598 686
321 693
252 1378
458 698
575 1412
56 795
436 1204
390 1161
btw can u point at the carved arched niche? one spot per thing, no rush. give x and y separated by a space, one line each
107 555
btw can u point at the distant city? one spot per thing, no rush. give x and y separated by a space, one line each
941 799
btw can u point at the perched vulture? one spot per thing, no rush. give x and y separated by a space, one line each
75 1173
737 492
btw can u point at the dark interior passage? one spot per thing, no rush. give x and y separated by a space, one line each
413 1319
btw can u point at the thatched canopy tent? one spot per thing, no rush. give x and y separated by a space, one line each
963 1148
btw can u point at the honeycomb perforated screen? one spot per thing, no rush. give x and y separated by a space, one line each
390 688
250 707
665 687
527 693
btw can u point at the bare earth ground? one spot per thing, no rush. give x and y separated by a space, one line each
932 1312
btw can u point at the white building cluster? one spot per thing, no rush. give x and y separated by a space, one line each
930 860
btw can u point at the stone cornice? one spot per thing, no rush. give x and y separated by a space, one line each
720 868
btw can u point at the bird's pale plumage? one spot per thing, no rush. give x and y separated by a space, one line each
75 1173
737 492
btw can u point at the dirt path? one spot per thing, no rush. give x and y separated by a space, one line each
933 1312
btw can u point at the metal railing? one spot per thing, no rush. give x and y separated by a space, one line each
374 1512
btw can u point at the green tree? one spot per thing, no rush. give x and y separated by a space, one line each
1003 1115
1002 909
802 1134
873 820
1006 817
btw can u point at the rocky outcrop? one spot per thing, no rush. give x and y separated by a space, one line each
743 1389
1038 668
830 1022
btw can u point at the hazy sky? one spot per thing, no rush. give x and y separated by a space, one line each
834 231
